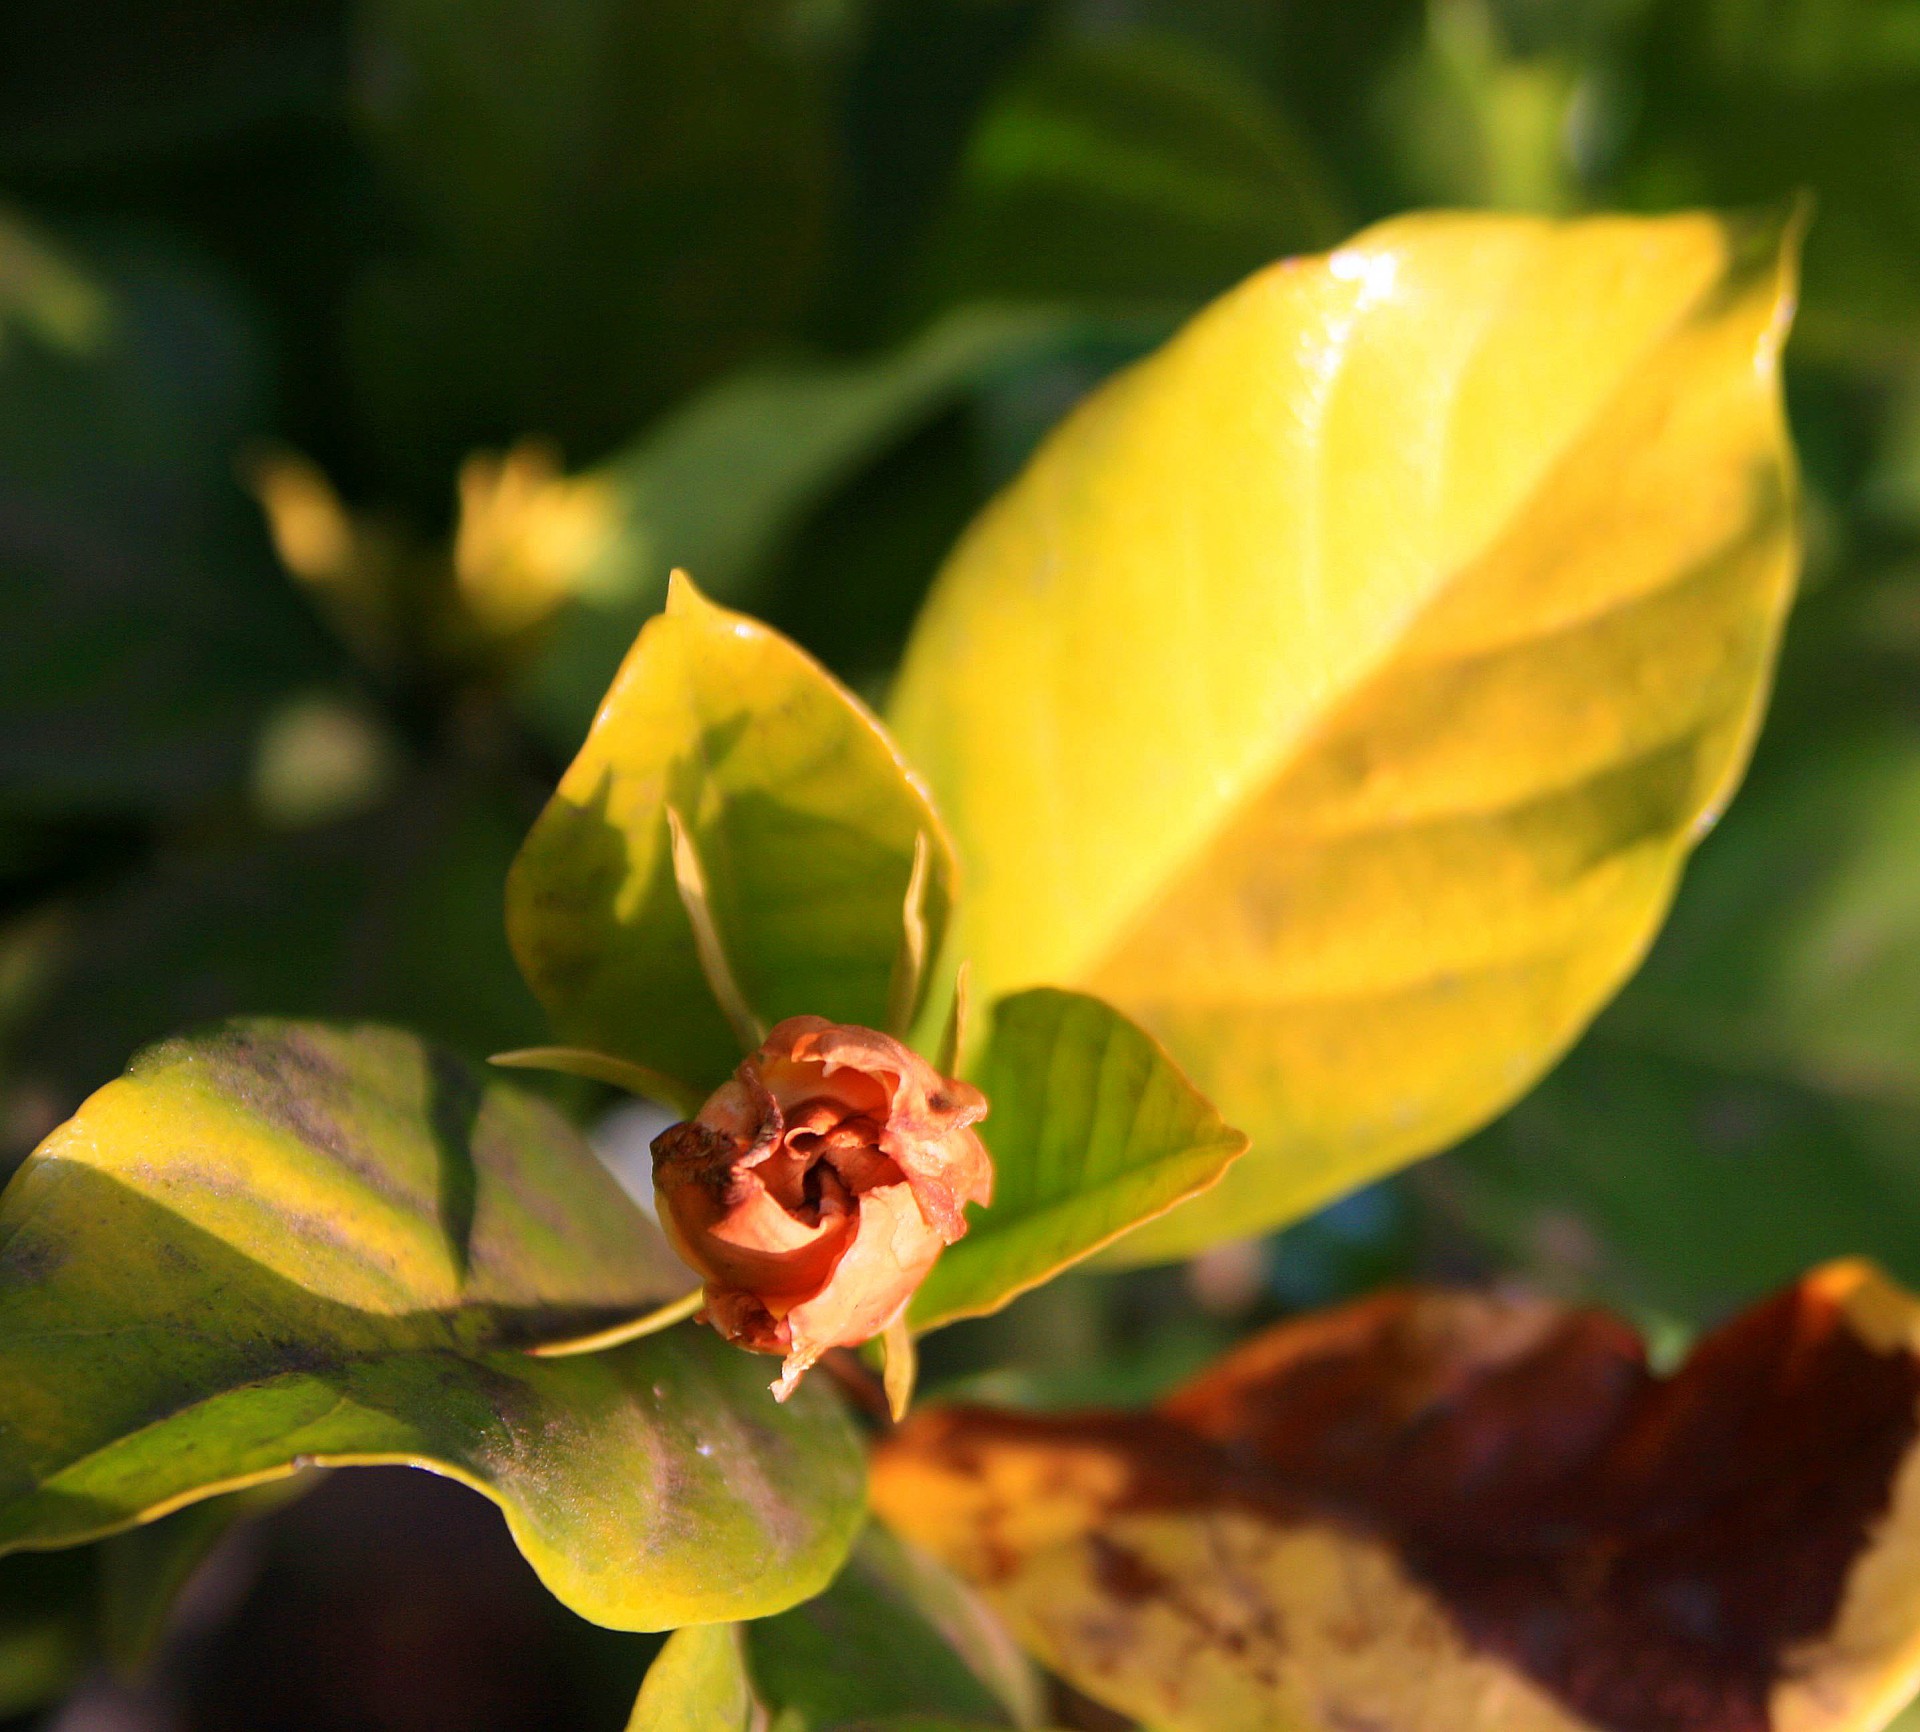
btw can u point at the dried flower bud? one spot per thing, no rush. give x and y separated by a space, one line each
815 1188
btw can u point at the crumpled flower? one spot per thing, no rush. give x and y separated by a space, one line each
814 1190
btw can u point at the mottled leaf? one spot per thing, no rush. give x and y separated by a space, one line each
281 1244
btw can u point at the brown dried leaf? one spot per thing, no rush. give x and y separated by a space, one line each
1430 1512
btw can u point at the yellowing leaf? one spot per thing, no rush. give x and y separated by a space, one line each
735 844
1339 691
283 1244
697 1683
1092 1130
1433 1512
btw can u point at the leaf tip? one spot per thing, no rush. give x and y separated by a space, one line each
902 1366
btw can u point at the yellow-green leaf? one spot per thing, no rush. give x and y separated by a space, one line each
896 1634
800 829
283 1244
1092 1130
697 1683
1339 691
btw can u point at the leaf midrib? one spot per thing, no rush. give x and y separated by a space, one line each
1241 794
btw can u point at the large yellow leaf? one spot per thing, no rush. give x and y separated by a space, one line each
1339 691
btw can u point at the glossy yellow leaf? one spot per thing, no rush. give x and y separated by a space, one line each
737 842
1338 691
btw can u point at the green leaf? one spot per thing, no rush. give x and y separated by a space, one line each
1136 167
896 1633
697 1683
717 486
45 293
1340 690
1760 1072
1093 1130
1739 103
280 1244
800 829
63 1611
919 1723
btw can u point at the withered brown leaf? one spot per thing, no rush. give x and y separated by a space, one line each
1433 1511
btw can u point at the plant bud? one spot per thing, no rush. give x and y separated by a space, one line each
814 1189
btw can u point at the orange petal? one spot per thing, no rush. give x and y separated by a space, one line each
1440 1513
927 1117
749 1243
892 1250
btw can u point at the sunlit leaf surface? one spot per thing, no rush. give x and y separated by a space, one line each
283 1244
1338 692
1431 1511
698 1683
1092 1130
801 824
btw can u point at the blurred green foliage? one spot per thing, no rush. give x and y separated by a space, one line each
787 287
